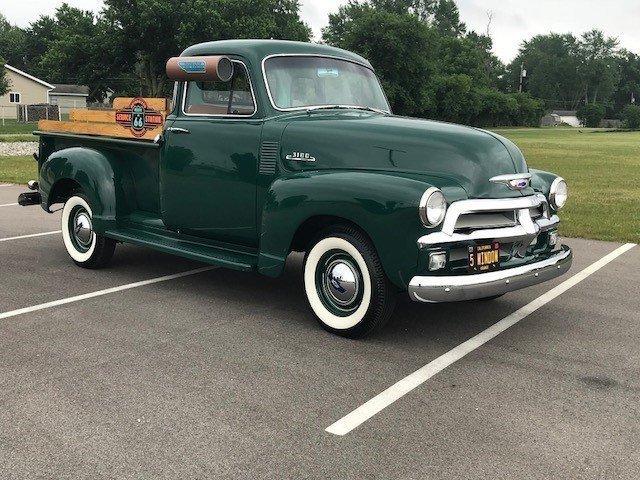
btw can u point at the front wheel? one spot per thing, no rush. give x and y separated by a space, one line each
87 248
345 284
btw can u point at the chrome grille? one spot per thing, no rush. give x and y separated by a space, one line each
475 221
518 219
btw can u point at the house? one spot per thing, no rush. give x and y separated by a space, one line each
561 117
570 117
68 97
24 90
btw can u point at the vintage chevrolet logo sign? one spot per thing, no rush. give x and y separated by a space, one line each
138 117
516 181
301 157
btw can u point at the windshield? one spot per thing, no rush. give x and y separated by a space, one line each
298 82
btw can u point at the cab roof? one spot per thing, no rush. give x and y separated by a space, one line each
257 50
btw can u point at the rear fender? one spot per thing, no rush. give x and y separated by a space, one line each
92 170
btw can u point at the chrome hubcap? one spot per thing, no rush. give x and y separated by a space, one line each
83 229
341 282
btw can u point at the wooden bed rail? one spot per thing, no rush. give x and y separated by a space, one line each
133 118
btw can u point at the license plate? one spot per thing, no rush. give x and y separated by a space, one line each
483 258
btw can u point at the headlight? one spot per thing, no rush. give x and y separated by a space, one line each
559 193
433 207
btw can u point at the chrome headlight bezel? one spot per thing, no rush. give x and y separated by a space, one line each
555 197
428 197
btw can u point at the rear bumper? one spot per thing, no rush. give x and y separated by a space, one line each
434 289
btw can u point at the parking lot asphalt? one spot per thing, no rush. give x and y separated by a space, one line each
224 374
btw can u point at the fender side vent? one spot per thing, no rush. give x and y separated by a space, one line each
268 157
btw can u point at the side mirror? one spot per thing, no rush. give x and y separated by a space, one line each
199 69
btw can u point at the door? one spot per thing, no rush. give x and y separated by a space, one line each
210 161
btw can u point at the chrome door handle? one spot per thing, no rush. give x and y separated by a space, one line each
178 130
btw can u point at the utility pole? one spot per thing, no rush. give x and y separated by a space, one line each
523 73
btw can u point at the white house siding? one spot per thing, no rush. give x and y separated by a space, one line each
30 92
67 102
570 120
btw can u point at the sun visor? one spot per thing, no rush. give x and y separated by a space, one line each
212 68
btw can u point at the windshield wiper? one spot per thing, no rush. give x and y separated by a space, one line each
346 107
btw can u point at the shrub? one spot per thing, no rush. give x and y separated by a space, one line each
530 110
631 117
591 114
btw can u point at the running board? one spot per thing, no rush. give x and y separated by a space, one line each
195 251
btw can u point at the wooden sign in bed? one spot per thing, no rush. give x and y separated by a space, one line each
136 118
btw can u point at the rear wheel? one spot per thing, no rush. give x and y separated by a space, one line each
87 248
345 284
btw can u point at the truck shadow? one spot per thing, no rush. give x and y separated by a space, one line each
282 300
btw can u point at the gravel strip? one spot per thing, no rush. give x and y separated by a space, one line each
17 148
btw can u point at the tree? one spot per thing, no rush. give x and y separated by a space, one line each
12 43
597 66
628 90
446 19
146 33
427 63
566 71
552 65
631 116
591 114
72 50
4 82
225 19
397 46
529 111
455 99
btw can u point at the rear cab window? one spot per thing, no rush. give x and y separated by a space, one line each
233 98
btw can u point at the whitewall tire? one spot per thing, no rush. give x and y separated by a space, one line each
345 284
86 247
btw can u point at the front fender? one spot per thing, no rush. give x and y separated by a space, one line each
384 205
92 170
541 181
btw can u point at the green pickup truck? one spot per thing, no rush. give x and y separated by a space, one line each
274 147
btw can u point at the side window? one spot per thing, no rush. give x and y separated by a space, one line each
221 98
14 97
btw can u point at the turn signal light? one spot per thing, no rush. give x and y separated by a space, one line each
437 260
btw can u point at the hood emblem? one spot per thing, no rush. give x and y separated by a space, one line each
301 157
515 181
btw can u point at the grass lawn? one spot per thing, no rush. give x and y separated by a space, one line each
602 170
11 126
18 169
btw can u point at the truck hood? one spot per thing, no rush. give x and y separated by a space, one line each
440 152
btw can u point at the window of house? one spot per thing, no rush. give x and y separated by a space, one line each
221 98
14 97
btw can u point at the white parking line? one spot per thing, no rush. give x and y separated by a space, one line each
7 239
6 185
8 205
77 298
417 378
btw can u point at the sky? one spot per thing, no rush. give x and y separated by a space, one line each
512 20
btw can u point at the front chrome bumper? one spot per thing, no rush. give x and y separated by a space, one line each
434 289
